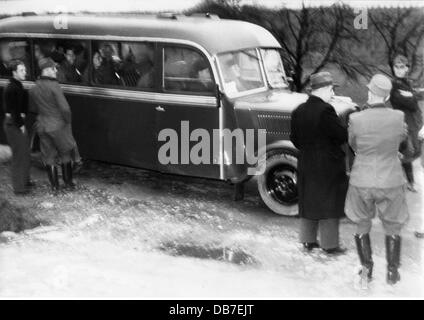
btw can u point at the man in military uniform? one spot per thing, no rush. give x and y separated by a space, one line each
377 183
46 99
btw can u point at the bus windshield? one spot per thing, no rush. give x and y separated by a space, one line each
274 68
241 71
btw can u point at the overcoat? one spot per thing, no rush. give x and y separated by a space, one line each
15 105
318 133
53 114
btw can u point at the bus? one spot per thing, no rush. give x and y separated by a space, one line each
132 82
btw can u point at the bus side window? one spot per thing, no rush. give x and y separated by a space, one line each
186 70
71 57
137 69
106 63
14 50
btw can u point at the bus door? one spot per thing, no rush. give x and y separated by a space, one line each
189 110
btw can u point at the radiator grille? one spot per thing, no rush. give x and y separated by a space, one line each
274 124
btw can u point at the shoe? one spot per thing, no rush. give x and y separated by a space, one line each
335 251
21 192
393 244
53 178
419 234
77 166
310 245
363 244
67 175
411 187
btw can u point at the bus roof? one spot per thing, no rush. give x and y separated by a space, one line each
215 35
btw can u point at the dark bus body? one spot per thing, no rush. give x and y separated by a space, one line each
117 115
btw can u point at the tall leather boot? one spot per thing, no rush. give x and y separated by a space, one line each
363 244
393 244
67 175
53 178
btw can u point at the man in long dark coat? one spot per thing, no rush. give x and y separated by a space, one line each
319 134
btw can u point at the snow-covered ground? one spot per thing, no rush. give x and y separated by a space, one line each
133 233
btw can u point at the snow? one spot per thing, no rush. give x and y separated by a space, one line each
138 240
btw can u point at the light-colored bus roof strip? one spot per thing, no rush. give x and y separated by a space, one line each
214 35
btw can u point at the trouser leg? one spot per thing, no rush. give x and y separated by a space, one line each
392 209
308 230
67 175
53 177
76 157
49 154
26 161
329 233
409 172
20 157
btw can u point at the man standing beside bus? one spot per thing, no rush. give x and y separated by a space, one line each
318 133
377 183
15 107
46 99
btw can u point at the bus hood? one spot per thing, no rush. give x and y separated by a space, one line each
273 101
286 101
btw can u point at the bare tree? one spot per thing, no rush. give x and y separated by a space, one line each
400 30
314 38
311 38
321 33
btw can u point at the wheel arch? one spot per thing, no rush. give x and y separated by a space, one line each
280 146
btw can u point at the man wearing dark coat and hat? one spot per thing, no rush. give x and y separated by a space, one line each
319 134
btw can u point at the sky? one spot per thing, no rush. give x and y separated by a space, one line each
18 6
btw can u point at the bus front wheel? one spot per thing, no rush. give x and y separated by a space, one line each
278 184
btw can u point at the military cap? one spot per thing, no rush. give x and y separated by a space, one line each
45 63
380 85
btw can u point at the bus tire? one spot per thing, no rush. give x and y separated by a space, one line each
278 184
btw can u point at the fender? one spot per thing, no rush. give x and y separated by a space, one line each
279 145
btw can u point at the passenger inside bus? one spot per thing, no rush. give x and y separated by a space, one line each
137 70
186 70
232 77
102 72
145 65
11 50
68 71
105 72
200 75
